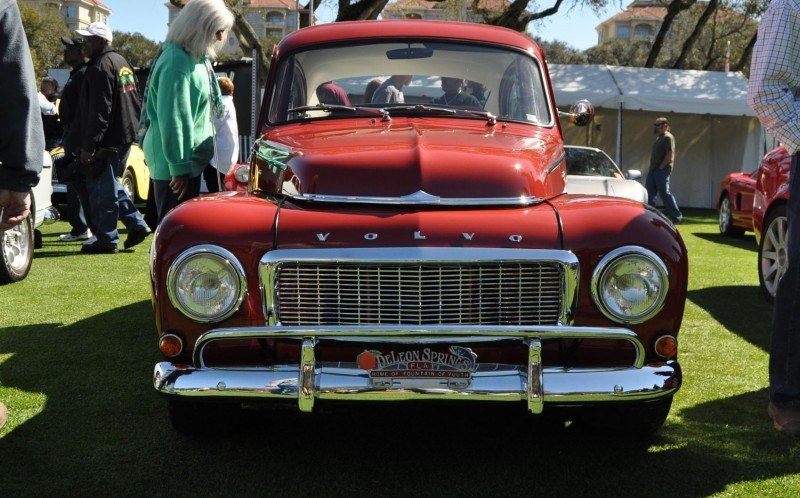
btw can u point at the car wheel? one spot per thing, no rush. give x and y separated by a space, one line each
628 419
726 219
203 419
16 251
773 255
129 184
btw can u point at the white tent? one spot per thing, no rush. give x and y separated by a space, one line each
715 131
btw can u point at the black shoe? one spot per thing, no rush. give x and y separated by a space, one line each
136 237
96 248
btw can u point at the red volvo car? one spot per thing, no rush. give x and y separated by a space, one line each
416 245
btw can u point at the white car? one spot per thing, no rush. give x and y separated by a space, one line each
591 171
16 251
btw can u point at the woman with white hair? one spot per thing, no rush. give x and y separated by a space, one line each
181 99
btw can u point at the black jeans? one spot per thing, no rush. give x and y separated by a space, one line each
784 356
166 199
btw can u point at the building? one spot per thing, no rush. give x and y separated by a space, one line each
269 19
441 11
77 14
640 21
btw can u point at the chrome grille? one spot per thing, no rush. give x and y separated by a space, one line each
466 293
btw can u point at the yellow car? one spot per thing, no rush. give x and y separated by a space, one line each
135 179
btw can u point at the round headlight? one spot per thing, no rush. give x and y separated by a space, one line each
630 285
206 283
242 174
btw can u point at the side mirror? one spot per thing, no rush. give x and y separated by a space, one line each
581 113
634 174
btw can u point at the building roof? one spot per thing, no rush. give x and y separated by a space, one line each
285 4
428 5
100 4
639 14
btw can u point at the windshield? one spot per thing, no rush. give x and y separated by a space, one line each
326 82
589 162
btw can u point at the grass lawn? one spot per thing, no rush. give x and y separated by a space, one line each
77 347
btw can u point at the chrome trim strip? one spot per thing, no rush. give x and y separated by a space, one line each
218 252
421 198
557 163
619 253
272 260
534 391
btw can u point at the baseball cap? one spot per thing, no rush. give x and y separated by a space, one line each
99 29
72 42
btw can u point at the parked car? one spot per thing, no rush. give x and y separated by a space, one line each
735 203
135 177
769 218
416 251
591 171
19 242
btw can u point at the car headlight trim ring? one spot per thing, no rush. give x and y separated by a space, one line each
206 283
630 285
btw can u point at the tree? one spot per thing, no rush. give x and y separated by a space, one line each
137 49
44 31
674 8
619 53
558 52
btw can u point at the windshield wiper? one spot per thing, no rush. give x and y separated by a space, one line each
420 108
484 114
332 108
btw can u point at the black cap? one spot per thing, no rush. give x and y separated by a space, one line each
72 42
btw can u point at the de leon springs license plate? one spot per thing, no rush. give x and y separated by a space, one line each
422 368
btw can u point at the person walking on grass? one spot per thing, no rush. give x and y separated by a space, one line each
662 159
773 92
182 99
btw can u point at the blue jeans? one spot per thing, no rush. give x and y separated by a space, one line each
108 202
657 183
784 356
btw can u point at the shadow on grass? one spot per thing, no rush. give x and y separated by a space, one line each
103 429
740 309
746 242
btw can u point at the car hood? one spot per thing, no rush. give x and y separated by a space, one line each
421 158
600 185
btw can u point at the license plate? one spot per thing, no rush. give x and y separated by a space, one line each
422 368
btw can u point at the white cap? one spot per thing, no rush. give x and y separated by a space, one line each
98 29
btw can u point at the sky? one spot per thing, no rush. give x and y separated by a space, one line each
574 26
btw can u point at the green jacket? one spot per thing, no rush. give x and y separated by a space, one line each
180 139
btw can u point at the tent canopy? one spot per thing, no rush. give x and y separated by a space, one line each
716 132
648 89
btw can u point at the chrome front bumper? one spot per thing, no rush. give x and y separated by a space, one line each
311 380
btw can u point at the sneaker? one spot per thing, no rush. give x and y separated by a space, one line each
98 249
3 415
136 237
90 240
69 237
786 420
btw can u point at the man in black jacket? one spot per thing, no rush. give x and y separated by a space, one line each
68 106
103 131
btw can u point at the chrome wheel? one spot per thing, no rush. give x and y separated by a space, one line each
129 184
726 218
16 251
773 252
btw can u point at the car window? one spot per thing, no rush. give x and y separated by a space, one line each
507 83
589 162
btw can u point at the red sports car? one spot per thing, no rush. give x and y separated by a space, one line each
769 218
416 245
735 203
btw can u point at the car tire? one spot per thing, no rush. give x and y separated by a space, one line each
773 252
726 219
129 184
194 418
636 420
16 251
